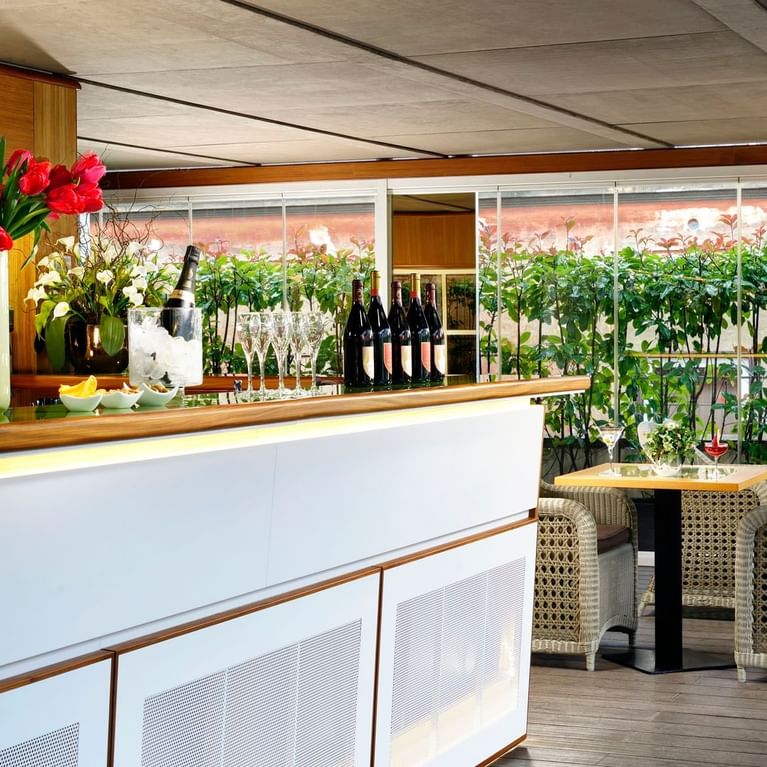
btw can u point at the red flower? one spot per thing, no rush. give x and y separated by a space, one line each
60 176
19 157
88 169
64 199
6 242
35 180
90 197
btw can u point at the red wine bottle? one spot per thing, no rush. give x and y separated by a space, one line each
382 359
359 365
419 334
438 347
401 350
182 297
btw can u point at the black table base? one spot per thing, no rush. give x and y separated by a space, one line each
645 660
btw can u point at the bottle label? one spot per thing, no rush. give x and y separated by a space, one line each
426 355
368 362
440 358
407 360
387 356
186 296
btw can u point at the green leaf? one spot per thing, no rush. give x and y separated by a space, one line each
112 332
2 153
54 343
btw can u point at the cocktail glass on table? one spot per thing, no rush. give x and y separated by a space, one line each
281 329
715 449
248 329
610 435
297 343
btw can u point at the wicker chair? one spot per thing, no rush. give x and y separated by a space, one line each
709 523
751 593
580 594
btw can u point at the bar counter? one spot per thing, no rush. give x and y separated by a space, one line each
338 579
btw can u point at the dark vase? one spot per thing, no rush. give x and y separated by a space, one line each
86 354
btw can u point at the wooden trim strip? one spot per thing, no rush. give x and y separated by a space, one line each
456 544
46 672
505 750
379 626
30 435
112 727
39 77
238 612
565 162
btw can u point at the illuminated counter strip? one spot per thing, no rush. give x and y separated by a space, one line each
234 564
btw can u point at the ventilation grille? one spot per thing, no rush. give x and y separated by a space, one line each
456 662
54 749
293 707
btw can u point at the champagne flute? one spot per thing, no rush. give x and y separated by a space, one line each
314 332
248 327
610 435
262 341
297 343
715 449
280 335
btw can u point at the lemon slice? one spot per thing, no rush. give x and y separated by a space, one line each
83 389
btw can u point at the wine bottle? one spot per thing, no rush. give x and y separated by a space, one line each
437 334
419 334
382 359
359 364
182 297
401 350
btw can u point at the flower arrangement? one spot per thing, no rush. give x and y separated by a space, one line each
96 282
33 190
668 442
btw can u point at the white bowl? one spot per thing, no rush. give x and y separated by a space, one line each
120 400
154 398
80 404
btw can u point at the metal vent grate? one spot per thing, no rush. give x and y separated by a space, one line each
58 748
293 707
456 661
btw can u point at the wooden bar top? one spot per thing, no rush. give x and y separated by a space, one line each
78 429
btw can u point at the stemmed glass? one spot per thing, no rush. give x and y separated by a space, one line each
610 435
297 343
248 328
262 341
715 449
281 330
314 331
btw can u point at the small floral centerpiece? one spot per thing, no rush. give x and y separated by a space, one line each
667 446
94 283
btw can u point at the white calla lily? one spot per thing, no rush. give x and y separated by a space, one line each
139 283
136 299
133 248
44 263
51 277
138 271
61 309
36 294
77 271
106 276
67 242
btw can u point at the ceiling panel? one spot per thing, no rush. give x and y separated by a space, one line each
437 26
711 131
115 157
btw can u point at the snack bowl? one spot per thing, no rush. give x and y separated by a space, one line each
152 398
80 404
120 400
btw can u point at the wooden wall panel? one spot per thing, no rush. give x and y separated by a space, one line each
433 240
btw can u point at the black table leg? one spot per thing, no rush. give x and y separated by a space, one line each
669 655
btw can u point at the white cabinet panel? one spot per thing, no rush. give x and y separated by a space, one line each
396 484
455 653
289 686
61 721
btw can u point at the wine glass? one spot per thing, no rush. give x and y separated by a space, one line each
610 435
248 327
281 330
262 340
715 449
314 332
297 343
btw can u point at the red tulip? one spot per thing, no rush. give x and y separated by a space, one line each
60 176
88 169
90 197
19 157
6 241
64 199
35 180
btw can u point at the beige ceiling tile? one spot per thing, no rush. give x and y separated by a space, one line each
718 57
718 131
94 103
435 26
510 141
682 103
124 158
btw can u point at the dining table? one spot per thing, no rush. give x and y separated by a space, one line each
669 654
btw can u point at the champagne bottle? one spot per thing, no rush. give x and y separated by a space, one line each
382 359
437 334
182 297
359 364
419 334
401 350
